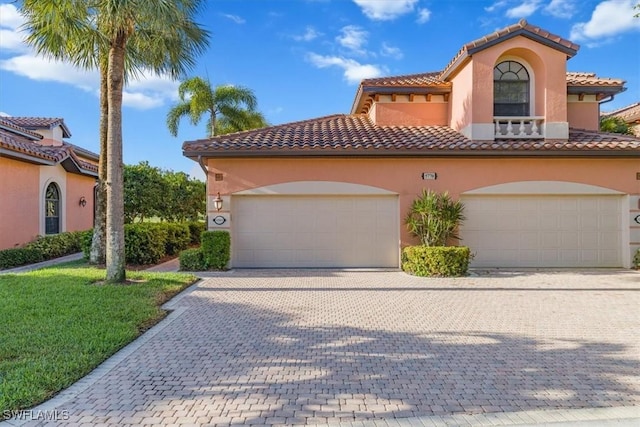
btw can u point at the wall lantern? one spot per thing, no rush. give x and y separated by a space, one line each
82 202
217 202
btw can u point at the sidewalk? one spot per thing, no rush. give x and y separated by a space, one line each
39 265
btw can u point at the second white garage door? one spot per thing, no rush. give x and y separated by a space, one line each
544 231
315 231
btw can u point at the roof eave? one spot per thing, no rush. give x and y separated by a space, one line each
25 157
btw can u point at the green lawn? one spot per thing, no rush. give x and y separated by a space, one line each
57 324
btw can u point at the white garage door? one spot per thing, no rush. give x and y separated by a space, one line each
543 231
315 231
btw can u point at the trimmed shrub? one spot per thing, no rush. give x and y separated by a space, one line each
192 260
636 259
16 257
178 237
195 230
144 243
442 261
216 249
58 245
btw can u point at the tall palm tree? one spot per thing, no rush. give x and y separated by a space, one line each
229 108
131 34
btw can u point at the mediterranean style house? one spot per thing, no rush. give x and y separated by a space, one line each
503 127
46 183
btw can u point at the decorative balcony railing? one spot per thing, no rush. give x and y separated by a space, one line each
518 127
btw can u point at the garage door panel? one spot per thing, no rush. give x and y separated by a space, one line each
552 231
315 231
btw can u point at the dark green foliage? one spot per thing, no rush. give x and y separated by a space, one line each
615 125
442 261
434 218
44 248
636 259
153 192
216 249
10 258
178 237
192 260
195 230
144 243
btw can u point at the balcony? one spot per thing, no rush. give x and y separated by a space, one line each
518 127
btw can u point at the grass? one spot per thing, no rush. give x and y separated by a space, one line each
57 325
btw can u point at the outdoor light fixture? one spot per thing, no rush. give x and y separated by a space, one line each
82 202
217 202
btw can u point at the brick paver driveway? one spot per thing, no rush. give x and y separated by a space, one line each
287 347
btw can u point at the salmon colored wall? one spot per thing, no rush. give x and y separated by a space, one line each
411 114
19 208
78 217
403 176
584 115
461 98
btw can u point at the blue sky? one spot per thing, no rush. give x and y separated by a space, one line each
305 58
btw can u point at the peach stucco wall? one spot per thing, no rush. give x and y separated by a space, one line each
411 114
584 115
403 176
19 205
472 93
78 217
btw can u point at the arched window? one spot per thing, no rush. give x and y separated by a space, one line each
52 209
510 89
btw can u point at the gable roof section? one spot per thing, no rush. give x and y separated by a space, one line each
20 144
33 123
357 136
522 28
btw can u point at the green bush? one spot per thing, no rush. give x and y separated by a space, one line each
195 230
443 261
636 259
216 249
178 237
192 260
16 257
145 243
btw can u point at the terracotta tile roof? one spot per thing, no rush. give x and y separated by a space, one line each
590 79
356 135
32 123
9 125
521 28
629 113
420 79
13 142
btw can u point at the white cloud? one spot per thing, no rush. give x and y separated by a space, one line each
309 34
385 10
148 91
609 18
391 51
497 5
235 18
354 72
10 17
11 40
526 8
353 38
3 114
561 8
424 15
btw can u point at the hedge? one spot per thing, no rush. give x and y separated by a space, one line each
44 248
442 261
195 230
192 260
216 249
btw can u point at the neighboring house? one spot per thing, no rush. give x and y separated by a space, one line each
504 127
631 116
46 184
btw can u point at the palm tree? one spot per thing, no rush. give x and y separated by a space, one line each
131 35
230 108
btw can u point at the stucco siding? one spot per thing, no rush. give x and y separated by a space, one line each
19 206
79 217
411 114
583 115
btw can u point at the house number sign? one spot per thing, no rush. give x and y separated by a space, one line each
429 175
637 219
219 220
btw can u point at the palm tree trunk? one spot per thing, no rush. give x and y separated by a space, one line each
97 253
212 131
115 184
